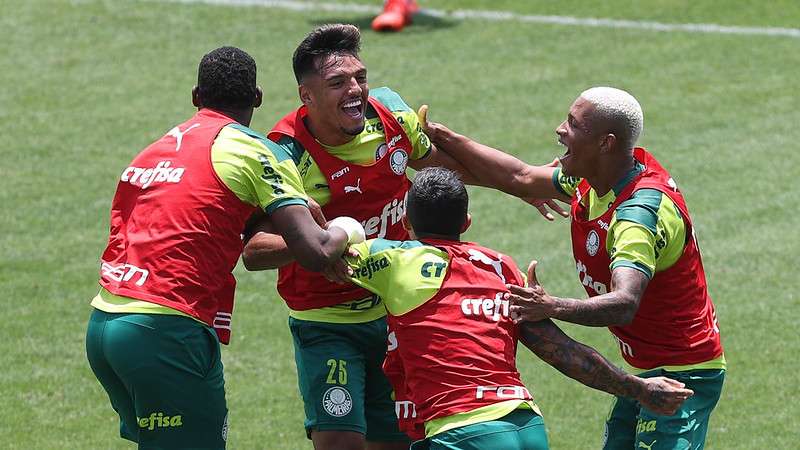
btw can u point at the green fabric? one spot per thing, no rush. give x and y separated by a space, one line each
523 429
646 232
631 427
164 377
340 378
260 172
405 274
641 208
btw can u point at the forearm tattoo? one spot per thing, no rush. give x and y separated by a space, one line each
576 360
615 308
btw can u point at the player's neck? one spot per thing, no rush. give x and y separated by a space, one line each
327 136
615 170
244 117
438 237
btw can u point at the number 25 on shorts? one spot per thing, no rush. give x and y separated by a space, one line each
337 371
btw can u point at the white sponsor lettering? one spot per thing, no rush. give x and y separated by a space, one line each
124 272
586 279
492 309
340 172
520 392
391 213
393 141
392 342
405 409
602 224
624 347
144 177
222 320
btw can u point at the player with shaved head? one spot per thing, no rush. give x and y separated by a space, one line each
636 255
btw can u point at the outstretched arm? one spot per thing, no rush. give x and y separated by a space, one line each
492 167
582 363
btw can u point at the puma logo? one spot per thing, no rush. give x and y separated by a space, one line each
356 188
475 255
178 135
645 446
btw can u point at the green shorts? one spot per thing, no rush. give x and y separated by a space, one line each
629 426
522 429
341 380
163 375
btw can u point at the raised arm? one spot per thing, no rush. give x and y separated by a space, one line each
584 364
491 167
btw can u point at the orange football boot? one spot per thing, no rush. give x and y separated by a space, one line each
396 15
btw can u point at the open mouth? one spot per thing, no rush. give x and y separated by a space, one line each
353 108
566 154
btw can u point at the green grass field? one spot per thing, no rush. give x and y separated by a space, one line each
87 84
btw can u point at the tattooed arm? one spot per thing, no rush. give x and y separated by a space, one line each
617 307
582 363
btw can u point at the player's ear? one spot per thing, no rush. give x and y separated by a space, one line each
305 94
259 97
608 143
406 223
467 223
196 97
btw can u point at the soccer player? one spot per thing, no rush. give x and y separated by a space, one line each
352 146
636 254
454 338
166 300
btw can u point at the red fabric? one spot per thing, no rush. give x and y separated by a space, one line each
378 203
176 231
458 350
675 324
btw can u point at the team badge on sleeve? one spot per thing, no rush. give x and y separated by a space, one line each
337 401
399 161
592 243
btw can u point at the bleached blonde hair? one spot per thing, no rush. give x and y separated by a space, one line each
620 108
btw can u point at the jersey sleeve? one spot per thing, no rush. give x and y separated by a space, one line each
405 274
257 170
420 143
565 184
647 233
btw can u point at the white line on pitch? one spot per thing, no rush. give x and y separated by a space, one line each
505 16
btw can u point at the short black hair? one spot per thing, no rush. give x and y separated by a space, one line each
226 78
331 39
437 202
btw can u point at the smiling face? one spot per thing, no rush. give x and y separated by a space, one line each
584 139
336 97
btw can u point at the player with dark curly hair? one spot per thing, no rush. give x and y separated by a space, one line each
166 297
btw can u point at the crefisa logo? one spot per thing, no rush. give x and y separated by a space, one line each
592 243
337 401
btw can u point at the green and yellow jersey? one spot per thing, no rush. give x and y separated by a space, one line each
258 171
406 275
646 232
364 149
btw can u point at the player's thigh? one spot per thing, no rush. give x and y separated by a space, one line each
687 428
620 427
118 394
331 375
380 411
172 368
520 430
